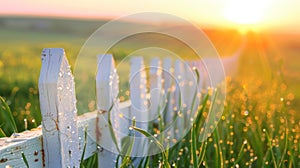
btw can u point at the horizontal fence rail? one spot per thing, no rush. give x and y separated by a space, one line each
62 137
31 142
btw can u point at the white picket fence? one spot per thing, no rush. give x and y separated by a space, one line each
60 140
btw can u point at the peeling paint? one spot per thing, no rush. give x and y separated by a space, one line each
36 153
42 151
98 132
3 160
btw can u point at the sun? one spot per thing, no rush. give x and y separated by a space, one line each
246 12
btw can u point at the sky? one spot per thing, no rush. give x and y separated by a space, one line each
281 15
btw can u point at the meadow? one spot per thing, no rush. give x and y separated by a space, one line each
260 125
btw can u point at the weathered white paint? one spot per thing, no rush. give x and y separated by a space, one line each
189 85
30 142
139 104
156 91
59 113
107 92
179 105
167 74
167 78
138 92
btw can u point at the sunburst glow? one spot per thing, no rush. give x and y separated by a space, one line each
246 11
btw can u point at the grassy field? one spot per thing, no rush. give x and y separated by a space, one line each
260 126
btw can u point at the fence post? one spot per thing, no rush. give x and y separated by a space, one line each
107 84
59 113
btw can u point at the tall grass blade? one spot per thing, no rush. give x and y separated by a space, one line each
2 133
127 146
111 130
145 133
84 148
285 145
271 148
6 113
194 147
240 154
25 160
202 153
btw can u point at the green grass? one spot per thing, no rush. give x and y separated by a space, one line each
260 125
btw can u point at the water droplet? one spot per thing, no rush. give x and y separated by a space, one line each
60 74
130 128
25 124
99 148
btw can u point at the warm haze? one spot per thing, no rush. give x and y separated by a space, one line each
278 15
258 42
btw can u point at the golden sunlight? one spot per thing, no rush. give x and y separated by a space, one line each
246 12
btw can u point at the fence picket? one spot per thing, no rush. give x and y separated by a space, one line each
107 92
156 91
138 92
139 103
167 76
59 113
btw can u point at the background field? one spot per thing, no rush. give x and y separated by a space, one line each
266 86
